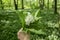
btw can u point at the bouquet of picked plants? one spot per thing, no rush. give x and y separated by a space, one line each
26 19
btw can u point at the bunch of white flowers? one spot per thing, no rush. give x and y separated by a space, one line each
29 19
53 37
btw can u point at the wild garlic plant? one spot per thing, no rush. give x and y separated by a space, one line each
53 36
29 18
26 20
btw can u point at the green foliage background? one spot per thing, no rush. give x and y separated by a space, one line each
39 30
46 28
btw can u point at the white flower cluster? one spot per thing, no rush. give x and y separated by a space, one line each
4 21
53 36
29 19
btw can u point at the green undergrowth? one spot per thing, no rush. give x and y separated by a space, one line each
40 30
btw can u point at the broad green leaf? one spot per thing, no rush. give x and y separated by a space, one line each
37 31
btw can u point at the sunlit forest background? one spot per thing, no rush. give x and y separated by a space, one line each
12 13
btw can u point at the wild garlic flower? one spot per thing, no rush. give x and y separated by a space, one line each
53 37
29 19
5 21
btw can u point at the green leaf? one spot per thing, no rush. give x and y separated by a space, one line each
36 13
37 31
22 18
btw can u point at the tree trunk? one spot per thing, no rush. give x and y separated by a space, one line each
48 4
22 4
55 9
43 3
2 5
16 6
17 3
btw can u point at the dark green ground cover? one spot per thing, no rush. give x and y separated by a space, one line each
48 25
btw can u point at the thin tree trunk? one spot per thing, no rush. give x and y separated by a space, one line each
43 3
48 4
17 3
2 5
16 6
55 10
22 4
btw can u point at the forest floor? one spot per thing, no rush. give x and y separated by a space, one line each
49 23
